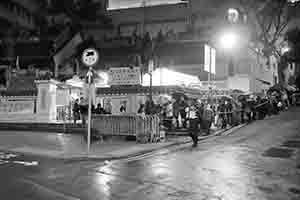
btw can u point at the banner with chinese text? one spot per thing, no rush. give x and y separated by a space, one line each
17 107
124 76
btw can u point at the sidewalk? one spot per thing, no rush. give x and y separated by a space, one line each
70 146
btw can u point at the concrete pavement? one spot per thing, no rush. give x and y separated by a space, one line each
69 146
72 146
258 162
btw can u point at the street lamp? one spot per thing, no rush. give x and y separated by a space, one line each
285 49
229 40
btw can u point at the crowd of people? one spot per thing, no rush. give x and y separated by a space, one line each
80 110
199 116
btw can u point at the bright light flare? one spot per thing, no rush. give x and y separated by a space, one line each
229 40
285 50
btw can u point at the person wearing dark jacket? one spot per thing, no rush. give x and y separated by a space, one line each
181 107
83 107
141 109
149 107
222 115
100 109
76 111
192 117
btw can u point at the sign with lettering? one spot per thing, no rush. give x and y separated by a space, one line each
17 107
124 76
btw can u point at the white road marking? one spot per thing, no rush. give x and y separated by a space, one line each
5 159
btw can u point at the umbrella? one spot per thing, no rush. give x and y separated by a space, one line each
178 95
243 97
276 88
237 91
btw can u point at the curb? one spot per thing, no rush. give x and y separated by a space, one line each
133 155
145 152
141 153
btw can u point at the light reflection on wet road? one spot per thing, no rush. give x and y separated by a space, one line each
219 170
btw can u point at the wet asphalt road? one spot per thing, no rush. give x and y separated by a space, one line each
232 167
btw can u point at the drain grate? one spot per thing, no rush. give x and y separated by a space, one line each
292 144
278 152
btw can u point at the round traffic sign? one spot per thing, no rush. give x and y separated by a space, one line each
90 57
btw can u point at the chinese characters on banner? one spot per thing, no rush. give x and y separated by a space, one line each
17 107
124 76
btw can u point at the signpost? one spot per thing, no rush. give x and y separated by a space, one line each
209 64
90 57
150 69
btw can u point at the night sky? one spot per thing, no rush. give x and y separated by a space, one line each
135 3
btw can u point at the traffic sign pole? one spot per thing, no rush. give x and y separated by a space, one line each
89 74
90 57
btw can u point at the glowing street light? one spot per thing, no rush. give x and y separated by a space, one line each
229 40
285 50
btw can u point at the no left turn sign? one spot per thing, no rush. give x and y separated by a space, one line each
90 57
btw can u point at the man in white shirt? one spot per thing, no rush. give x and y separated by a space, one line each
192 117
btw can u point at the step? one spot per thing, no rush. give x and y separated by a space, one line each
42 127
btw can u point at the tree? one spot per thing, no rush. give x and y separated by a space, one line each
292 37
78 11
297 82
268 21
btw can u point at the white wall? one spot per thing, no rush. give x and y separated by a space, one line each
240 82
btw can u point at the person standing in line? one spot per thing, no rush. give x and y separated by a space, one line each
149 106
76 111
176 113
182 106
228 110
222 115
169 115
99 109
108 107
83 107
191 111
243 107
141 109
123 107
207 119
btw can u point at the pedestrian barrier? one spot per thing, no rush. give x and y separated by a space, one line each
144 127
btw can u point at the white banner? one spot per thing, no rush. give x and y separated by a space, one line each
124 76
209 59
17 107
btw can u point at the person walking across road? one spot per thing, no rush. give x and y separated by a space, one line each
191 111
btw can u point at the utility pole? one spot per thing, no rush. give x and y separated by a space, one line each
144 4
149 63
